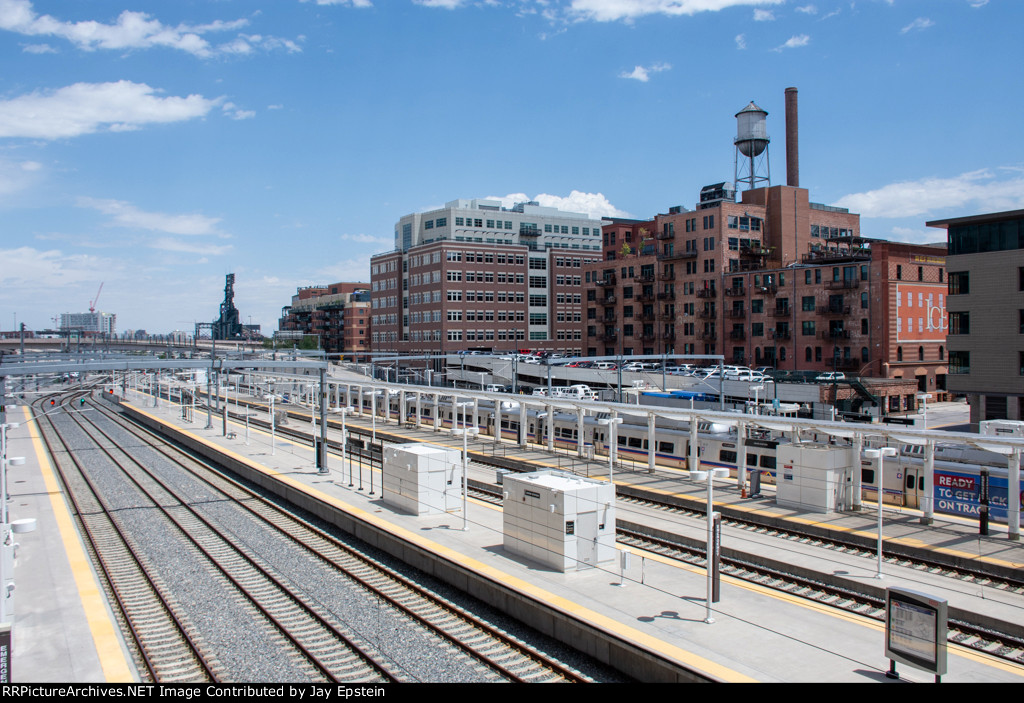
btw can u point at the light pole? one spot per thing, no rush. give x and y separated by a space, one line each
344 441
273 436
612 424
709 475
879 456
756 389
923 397
465 460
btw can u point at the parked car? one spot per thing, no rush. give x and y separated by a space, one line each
830 376
604 365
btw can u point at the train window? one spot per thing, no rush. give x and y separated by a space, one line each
728 456
910 482
666 447
920 484
751 459
767 461
867 476
646 445
635 442
622 440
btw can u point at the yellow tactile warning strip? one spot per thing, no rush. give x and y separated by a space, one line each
909 541
642 639
105 638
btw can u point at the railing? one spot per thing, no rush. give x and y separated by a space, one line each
770 289
737 334
780 312
735 291
842 285
736 313
834 334
780 334
667 296
665 256
609 300
608 280
707 314
706 293
835 310
667 276
665 235
645 298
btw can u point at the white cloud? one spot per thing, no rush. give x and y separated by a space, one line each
353 3
642 74
235 113
84 108
794 42
169 244
126 215
763 16
132 30
39 49
807 9
978 3
445 4
611 10
980 191
919 23
741 41
17 176
27 270
916 236
595 205
367 239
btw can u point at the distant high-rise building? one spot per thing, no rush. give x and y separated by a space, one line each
89 323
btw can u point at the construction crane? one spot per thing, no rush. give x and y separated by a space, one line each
92 303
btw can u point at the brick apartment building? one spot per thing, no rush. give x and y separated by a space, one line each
338 313
772 280
476 275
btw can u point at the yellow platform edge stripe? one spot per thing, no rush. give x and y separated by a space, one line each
104 631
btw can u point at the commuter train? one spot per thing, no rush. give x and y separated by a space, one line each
957 468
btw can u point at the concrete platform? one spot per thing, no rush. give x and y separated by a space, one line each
656 616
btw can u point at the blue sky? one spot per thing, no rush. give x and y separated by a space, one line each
154 147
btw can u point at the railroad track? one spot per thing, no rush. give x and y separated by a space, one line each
162 643
505 656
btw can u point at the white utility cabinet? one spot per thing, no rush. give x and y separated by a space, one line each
420 479
563 521
809 476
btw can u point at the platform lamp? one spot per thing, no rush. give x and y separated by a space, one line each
344 441
465 432
612 424
709 475
273 433
879 456
9 528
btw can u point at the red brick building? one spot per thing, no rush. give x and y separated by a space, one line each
338 313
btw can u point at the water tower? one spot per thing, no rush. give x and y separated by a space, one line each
751 160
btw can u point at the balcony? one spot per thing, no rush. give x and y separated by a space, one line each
735 291
668 256
768 289
780 312
609 300
665 235
669 337
608 319
845 284
647 317
834 334
780 334
826 256
703 335
707 293
668 295
755 250
645 278
736 314
645 298
738 335
608 280
667 276
707 314
609 337
648 337
830 310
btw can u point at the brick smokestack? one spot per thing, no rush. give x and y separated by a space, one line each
792 140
